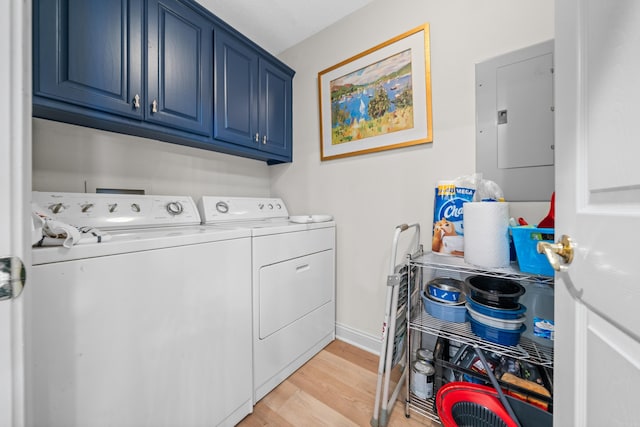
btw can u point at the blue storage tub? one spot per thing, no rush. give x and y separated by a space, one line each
444 311
525 240
499 313
495 335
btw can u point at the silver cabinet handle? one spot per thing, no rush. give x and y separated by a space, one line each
264 140
136 101
257 137
154 106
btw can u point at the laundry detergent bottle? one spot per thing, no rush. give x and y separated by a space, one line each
538 299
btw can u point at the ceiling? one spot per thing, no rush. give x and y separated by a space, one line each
276 25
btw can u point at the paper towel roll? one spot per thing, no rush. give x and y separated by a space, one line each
486 233
452 244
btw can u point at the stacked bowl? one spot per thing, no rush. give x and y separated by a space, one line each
444 298
493 309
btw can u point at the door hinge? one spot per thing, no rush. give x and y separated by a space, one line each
12 277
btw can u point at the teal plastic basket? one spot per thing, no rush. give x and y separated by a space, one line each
525 240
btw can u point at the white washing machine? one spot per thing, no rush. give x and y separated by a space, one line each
149 328
293 276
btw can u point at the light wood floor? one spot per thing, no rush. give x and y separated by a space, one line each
336 388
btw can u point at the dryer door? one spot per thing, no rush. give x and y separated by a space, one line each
291 289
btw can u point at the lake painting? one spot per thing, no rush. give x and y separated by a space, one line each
372 101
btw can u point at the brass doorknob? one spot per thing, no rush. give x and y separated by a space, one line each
557 251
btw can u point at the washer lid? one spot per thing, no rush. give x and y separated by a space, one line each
127 241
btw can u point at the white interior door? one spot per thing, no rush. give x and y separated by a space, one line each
597 358
15 183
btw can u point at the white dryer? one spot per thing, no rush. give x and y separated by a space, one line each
147 329
293 277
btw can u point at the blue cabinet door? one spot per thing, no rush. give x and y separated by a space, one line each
89 53
179 67
275 109
252 98
236 82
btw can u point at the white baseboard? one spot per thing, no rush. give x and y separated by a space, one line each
358 338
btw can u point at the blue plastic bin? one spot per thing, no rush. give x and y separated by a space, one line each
444 311
495 335
525 240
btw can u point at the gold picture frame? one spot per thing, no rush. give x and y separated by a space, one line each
379 99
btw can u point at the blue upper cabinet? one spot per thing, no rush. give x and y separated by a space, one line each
179 62
252 98
275 108
162 69
89 53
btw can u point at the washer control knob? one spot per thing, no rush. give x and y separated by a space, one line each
135 207
86 207
56 208
222 207
261 206
113 207
270 206
278 206
174 208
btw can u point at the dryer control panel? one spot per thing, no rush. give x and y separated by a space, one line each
214 209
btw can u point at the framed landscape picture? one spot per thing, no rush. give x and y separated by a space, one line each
379 99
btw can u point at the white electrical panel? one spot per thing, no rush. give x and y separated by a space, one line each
515 122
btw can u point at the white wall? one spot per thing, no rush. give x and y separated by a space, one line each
66 156
370 194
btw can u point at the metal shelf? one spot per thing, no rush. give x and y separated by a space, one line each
426 408
457 264
461 332
420 320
